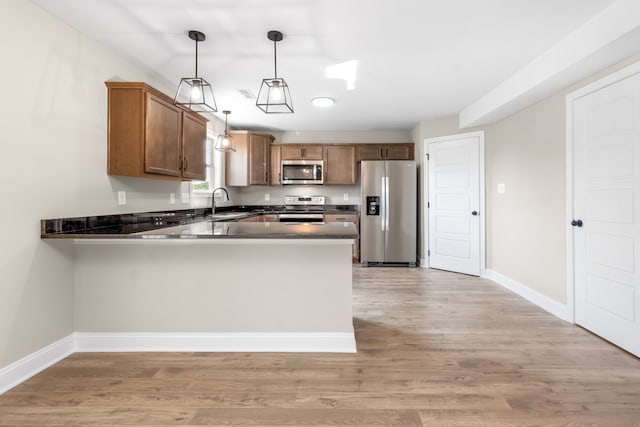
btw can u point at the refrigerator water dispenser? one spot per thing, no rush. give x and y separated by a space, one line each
373 205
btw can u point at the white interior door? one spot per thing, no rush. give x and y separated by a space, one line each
606 212
454 204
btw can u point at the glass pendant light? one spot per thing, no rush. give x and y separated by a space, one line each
225 142
195 93
274 96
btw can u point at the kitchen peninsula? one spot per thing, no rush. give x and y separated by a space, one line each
203 285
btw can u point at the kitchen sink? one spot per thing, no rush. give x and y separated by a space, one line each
226 215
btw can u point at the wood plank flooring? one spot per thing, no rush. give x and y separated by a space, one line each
434 349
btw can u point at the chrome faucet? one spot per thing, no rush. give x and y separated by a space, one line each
213 198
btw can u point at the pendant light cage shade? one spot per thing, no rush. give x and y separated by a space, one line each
195 93
274 96
225 142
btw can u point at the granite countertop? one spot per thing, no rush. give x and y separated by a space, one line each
196 223
254 230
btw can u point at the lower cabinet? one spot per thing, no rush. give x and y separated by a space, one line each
270 218
347 218
256 218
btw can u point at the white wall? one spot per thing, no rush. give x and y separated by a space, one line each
53 153
526 225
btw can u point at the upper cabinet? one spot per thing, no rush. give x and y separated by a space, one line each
250 163
194 133
301 152
404 151
150 137
339 164
276 157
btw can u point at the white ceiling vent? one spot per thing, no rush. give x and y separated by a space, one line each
247 93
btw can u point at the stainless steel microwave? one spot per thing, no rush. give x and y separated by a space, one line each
302 172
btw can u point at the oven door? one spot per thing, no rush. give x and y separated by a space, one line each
301 217
302 172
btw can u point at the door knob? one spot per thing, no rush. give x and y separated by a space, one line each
576 223
474 213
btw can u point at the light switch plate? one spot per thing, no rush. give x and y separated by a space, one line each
267 197
172 198
346 197
122 198
501 188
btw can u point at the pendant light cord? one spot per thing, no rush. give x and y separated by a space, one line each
196 57
275 60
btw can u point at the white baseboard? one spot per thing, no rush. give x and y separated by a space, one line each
227 342
544 302
28 366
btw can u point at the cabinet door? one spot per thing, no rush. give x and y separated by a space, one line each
370 152
339 164
276 156
259 157
301 152
194 136
162 137
346 218
311 152
398 152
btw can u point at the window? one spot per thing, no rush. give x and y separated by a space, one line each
215 172
207 185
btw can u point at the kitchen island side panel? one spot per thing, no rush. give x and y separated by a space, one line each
244 286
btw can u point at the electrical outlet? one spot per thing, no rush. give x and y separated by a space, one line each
346 197
185 197
172 198
122 198
501 188
267 197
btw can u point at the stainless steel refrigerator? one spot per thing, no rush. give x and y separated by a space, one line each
388 217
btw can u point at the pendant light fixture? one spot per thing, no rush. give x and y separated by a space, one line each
195 93
225 142
274 96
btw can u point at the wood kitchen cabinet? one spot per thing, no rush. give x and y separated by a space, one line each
404 151
250 163
149 137
301 152
339 164
276 156
347 218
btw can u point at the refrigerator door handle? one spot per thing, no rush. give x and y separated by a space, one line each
383 205
386 201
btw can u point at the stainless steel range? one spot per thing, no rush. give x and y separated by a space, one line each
303 209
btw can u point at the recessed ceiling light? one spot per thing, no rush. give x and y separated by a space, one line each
323 101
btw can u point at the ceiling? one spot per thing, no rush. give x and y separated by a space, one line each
414 59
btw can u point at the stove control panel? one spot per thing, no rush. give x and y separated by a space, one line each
304 200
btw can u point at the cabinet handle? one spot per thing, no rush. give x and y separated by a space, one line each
181 164
303 152
381 154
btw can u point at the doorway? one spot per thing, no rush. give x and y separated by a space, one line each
454 210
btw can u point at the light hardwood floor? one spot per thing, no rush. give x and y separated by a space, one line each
434 349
